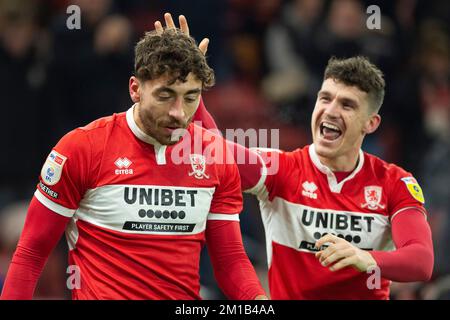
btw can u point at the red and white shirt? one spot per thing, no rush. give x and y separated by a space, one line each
303 201
138 209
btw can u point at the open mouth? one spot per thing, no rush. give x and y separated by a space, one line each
329 131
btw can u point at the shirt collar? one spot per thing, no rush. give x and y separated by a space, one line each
332 181
141 135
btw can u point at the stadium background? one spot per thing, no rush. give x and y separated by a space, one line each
268 56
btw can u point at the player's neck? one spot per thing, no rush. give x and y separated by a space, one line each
137 118
344 163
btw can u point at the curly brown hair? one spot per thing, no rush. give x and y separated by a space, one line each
360 72
173 53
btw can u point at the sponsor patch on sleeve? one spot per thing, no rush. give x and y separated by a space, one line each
52 169
414 189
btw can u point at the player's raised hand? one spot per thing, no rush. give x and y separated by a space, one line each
184 27
340 254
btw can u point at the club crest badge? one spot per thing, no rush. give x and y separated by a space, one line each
414 189
198 164
372 195
52 169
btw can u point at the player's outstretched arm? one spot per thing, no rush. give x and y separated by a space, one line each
414 258
411 261
42 230
250 171
232 268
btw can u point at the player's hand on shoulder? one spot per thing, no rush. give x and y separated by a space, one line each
340 254
184 27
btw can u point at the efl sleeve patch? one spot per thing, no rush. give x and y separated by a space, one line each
414 189
52 169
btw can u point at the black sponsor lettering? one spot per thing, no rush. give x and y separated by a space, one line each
354 223
341 222
158 227
369 223
126 195
322 219
145 194
310 246
311 217
166 197
337 221
192 193
156 197
179 198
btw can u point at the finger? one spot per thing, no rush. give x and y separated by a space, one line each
203 46
330 250
326 238
349 261
336 256
325 253
183 24
169 21
158 27
318 254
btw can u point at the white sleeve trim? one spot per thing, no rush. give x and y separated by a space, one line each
54 206
221 216
256 189
403 209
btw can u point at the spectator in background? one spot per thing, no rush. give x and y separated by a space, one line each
434 81
307 33
52 282
292 63
420 96
342 31
90 66
23 56
434 89
437 177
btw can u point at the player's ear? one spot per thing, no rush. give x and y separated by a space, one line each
372 123
133 86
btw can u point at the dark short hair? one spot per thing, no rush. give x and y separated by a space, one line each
172 53
360 72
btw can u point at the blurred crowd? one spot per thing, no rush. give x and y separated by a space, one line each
269 57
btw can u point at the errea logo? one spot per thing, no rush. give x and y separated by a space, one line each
309 189
122 164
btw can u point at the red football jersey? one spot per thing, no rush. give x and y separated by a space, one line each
138 208
303 201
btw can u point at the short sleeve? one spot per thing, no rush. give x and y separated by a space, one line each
405 193
279 167
65 174
227 199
